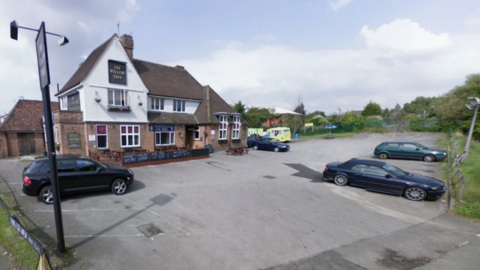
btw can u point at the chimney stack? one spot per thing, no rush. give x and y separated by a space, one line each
127 42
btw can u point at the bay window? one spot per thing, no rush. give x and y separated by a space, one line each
222 129
129 136
236 127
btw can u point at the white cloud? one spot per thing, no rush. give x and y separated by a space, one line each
387 70
82 22
473 21
338 4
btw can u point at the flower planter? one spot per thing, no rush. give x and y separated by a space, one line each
118 108
98 100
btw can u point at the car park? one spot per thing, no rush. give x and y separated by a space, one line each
75 174
409 150
385 178
270 144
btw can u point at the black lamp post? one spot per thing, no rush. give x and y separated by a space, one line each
44 75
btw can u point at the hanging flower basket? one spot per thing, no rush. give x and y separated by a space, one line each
140 104
115 108
98 100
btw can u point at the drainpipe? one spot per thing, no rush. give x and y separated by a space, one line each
208 112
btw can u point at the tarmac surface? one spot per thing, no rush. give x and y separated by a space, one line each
263 210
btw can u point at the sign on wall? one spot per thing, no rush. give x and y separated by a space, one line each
155 127
91 138
117 72
73 139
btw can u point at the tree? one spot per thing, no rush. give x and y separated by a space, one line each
315 113
352 117
372 108
239 107
297 121
257 116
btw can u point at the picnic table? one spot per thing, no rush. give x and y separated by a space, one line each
237 150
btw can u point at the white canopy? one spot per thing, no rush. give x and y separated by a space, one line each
280 111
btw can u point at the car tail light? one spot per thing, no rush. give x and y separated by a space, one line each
27 180
326 169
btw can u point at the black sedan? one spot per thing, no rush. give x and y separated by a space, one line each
382 177
75 174
270 144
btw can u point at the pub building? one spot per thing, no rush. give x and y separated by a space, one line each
114 102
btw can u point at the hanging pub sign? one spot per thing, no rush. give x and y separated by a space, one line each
73 139
117 72
155 127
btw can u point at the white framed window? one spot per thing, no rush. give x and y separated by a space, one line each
164 138
236 127
102 137
196 133
157 104
222 129
57 141
64 103
179 105
117 97
129 136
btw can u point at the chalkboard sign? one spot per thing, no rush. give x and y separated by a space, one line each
73 139
180 154
128 159
143 157
200 152
159 156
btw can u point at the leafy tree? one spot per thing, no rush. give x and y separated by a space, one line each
352 117
239 107
257 116
372 108
420 106
315 113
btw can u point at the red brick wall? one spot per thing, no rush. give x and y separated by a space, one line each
39 142
224 146
3 146
13 144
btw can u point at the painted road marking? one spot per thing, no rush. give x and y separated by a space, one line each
101 235
81 210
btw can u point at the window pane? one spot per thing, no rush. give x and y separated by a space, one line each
44 168
157 138
152 103
130 129
172 137
124 140
110 96
117 97
124 129
136 129
102 141
174 105
86 166
130 140
161 104
164 139
136 140
65 166
101 129
183 106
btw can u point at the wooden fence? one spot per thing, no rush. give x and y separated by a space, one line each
456 180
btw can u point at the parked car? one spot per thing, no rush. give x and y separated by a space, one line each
270 144
408 150
75 174
251 140
382 177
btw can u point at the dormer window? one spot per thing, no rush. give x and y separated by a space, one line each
179 105
117 97
157 104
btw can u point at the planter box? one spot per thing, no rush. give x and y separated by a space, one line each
222 141
118 108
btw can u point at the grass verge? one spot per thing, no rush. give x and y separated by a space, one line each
25 257
469 207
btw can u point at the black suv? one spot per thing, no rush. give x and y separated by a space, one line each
75 174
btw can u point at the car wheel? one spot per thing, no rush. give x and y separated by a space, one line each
383 155
119 187
46 195
255 147
429 158
415 193
340 180
276 149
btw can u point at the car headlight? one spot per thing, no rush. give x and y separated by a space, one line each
436 188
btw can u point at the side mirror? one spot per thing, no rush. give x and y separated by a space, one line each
99 169
388 175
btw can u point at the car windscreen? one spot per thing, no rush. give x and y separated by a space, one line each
421 146
394 170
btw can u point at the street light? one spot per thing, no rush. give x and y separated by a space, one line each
44 76
474 104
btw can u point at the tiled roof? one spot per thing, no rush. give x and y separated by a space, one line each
25 116
86 66
171 118
168 81
217 105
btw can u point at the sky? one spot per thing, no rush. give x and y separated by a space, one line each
330 54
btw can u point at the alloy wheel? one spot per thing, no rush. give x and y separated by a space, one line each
119 186
428 158
47 195
415 193
383 155
340 180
